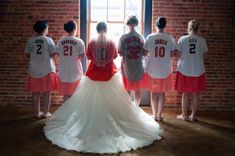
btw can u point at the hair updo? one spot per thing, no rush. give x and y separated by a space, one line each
70 26
40 26
193 26
101 27
161 22
132 21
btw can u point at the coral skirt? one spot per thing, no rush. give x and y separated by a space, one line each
43 84
157 84
190 84
132 85
67 88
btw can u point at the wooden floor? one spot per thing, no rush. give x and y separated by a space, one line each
212 135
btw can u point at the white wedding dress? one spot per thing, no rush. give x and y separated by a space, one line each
100 118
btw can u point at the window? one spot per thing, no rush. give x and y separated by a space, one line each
114 13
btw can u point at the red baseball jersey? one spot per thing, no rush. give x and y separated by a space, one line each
101 51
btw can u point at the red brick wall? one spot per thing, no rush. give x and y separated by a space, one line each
217 27
17 18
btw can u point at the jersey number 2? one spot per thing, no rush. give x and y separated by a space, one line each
192 48
39 47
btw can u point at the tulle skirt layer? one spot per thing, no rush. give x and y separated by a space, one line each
100 118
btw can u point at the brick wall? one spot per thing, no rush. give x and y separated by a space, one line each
217 26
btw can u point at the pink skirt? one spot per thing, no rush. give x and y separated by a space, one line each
43 84
158 85
67 88
132 85
190 84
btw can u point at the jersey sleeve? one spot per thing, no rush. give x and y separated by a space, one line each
81 48
142 40
173 43
179 45
147 44
58 48
52 48
113 49
121 46
89 50
27 49
205 48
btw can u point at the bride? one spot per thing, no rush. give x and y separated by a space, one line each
100 117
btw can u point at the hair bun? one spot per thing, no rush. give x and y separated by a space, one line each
40 26
193 26
70 26
101 27
161 22
132 21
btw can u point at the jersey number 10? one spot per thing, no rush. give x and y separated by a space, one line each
159 52
101 54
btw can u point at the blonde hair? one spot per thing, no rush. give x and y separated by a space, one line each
193 26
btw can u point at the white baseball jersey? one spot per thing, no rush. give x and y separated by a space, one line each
40 48
158 63
70 67
192 49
